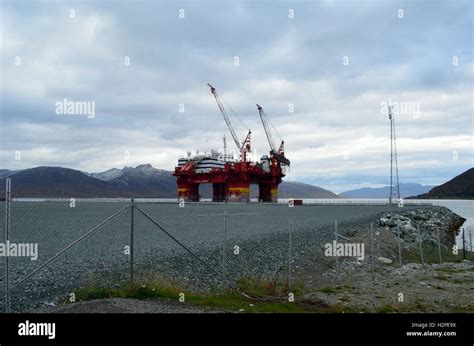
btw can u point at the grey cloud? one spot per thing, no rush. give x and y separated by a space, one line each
282 62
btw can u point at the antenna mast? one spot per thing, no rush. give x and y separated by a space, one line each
394 185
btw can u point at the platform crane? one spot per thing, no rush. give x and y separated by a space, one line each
279 154
243 148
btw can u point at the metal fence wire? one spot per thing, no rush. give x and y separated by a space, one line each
71 243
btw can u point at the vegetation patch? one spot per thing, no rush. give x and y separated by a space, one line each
328 290
259 296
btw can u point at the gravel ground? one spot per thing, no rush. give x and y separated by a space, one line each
432 288
120 305
260 232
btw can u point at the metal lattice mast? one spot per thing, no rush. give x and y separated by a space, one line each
394 185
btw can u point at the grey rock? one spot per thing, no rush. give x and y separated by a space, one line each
384 260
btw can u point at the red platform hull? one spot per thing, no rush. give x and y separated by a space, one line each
232 183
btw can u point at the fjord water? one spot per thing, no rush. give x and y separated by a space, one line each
464 208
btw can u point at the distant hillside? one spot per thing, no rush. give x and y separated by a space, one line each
460 187
57 182
406 189
292 189
5 173
146 181
142 181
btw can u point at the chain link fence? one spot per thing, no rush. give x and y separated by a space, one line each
196 246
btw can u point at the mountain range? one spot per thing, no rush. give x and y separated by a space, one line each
142 181
146 181
460 187
406 190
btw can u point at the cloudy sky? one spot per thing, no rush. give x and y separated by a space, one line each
322 70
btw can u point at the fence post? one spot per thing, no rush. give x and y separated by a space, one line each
8 187
439 248
372 250
399 247
289 255
224 246
464 243
420 243
132 208
470 241
335 252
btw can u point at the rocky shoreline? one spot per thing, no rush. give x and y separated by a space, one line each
426 223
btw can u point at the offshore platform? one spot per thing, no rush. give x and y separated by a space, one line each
231 177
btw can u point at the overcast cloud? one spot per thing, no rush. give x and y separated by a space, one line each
337 137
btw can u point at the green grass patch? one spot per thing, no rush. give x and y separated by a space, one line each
328 290
266 296
265 288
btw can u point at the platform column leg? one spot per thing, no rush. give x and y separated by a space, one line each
194 193
238 192
189 192
264 194
218 192
183 191
274 193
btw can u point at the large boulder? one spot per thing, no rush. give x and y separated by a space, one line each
407 229
383 221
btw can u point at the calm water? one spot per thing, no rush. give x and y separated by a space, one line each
465 208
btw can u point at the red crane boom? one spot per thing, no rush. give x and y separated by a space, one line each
245 145
279 154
